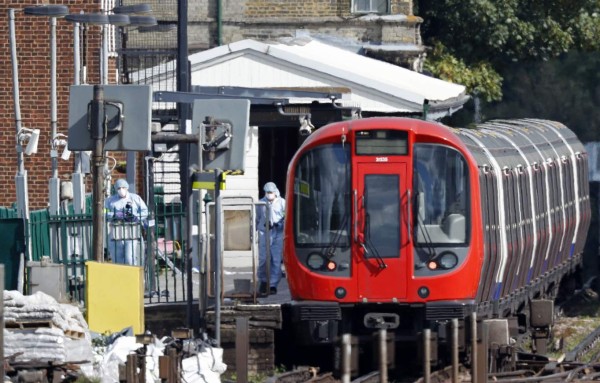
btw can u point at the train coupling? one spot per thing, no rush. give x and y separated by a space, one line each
381 320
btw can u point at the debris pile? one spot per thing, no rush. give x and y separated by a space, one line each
44 337
195 361
39 329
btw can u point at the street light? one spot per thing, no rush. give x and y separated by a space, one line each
22 133
21 176
77 178
120 16
51 11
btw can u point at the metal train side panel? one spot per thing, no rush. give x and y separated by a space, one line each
489 212
532 176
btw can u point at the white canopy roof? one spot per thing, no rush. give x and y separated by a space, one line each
305 63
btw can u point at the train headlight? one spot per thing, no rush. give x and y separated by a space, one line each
315 261
447 260
423 292
331 266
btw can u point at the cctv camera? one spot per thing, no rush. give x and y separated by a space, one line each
305 130
66 154
32 145
306 127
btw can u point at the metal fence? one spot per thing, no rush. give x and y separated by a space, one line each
66 239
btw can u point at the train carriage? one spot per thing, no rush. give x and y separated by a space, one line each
405 224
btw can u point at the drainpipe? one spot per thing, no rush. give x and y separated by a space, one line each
219 22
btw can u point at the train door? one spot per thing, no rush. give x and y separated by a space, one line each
381 230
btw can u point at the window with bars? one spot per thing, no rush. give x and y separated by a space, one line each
368 6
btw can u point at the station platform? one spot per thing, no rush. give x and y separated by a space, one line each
245 273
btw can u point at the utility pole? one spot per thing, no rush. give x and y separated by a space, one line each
97 131
183 85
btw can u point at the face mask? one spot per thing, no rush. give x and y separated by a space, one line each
270 196
122 192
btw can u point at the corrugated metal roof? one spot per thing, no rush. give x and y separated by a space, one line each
303 62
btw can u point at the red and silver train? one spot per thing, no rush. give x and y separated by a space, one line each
405 224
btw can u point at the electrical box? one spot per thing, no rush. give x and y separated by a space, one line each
48 278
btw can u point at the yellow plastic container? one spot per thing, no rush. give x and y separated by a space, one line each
115 297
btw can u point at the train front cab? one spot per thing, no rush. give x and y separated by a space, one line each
378 232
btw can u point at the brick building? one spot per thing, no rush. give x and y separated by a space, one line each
34 71
385 29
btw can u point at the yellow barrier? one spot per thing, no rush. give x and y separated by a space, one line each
115 297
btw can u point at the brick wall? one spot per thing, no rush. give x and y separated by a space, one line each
33 52
258 19
273 19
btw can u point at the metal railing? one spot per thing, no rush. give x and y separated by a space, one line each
66 239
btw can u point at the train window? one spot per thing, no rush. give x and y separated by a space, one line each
321 211
381 142
382 215
441 188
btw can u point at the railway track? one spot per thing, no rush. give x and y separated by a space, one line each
569 368
311 375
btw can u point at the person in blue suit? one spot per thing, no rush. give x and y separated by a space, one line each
276 205
125 207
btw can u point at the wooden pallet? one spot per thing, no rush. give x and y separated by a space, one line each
28 324
34 324
74 334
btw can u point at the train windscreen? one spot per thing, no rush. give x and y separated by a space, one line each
441 195
321 197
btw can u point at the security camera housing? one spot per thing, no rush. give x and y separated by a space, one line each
66 154
305 130
32 145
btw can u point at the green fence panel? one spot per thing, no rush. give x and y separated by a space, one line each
12 238
39 225
7 212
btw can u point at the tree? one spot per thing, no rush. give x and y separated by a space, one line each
474 40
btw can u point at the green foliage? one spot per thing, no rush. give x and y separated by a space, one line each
566 89
480 78
85 379
231 376
483 37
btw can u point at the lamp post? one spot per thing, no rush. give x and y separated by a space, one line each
21 177
52 12
77 176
